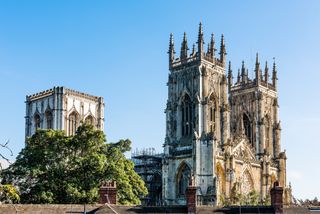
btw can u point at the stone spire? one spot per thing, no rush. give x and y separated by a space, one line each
266 73
230 77
200 42
184 48
171 51
212 47
223 52
274 75
257 70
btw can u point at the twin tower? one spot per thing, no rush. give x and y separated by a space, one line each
222 135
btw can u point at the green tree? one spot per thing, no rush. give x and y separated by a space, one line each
8 194
55 168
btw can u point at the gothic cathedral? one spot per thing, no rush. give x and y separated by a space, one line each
223 136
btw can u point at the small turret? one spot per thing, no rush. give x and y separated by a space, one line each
230 77
171 51
223 52
266 73
200 42
257 70
238 77
184 48
274 75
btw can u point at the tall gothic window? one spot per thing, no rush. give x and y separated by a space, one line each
73 123
89 120
37 121
186 111
212 114
49 119
247 127
183 178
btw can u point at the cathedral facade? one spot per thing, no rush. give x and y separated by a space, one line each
222 135
60 108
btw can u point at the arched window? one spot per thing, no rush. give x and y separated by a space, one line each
212 114
247 127
186 113
183 178
89 120
73 123
37 121
49 119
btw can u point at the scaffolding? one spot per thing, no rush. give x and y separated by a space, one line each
148 164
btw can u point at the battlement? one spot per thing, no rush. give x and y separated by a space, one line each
61 90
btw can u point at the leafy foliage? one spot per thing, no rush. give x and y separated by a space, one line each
8 194
55 168
236 198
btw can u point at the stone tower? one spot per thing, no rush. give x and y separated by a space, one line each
61 108
197 118
221 136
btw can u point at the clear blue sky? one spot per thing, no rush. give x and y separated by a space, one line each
118 50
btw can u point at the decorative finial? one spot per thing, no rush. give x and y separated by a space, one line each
184 47
238 78
171 51
230 77
200 41
243 71
193 49
223 52
257 70
266 72
212 47
274 74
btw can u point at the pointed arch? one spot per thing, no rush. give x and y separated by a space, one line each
90 119
73 122
183 177
37 121
49 119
